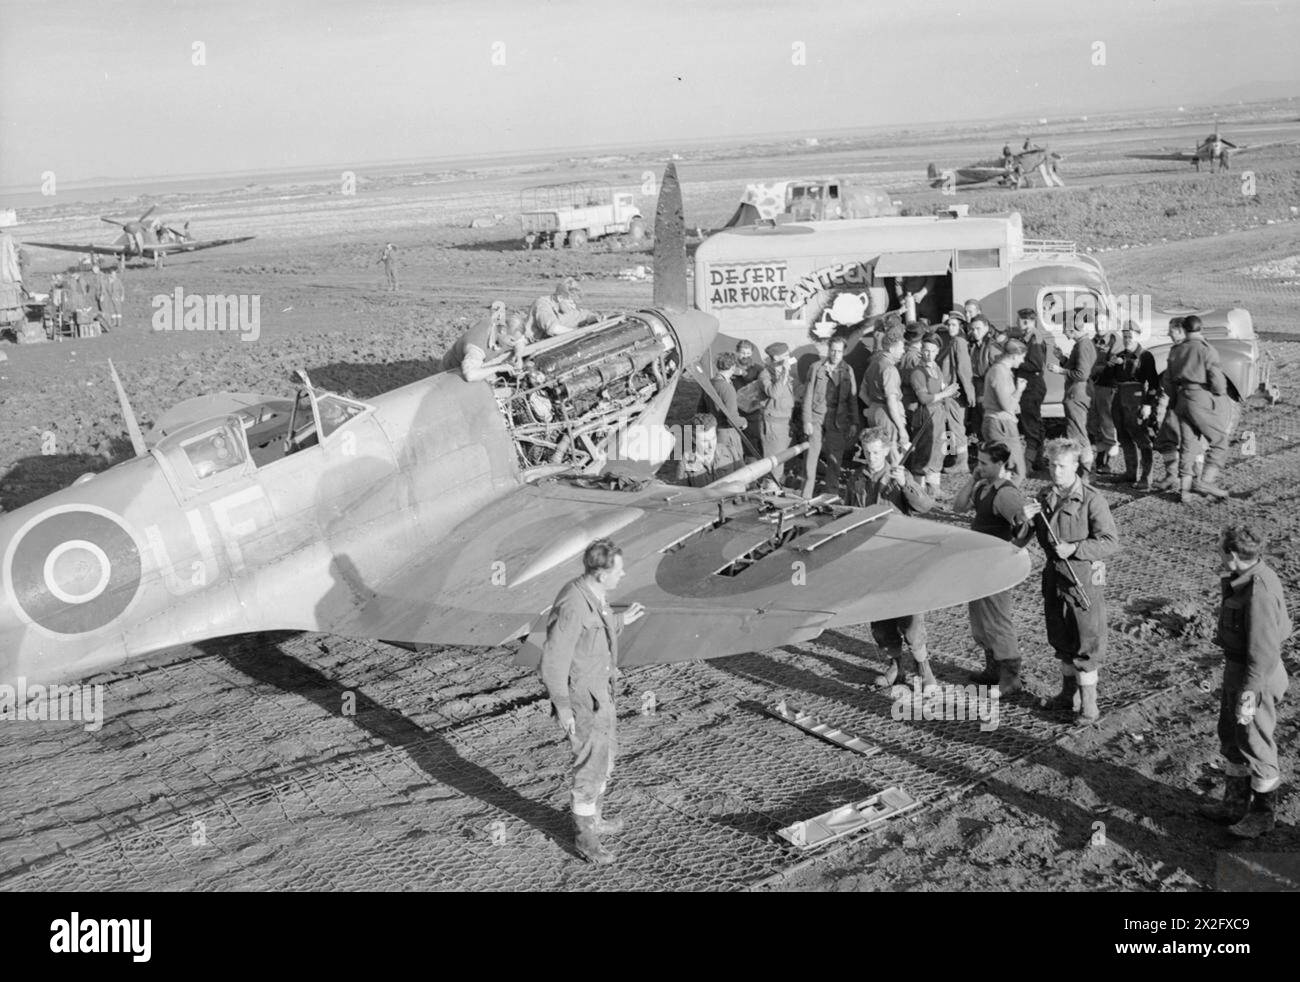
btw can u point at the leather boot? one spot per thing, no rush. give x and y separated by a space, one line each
1068 697
895 674
607 825
1009 680
922 659
1088 711
1144 480
587 841
1260 819
990 674
1170 480
1235 803
1205 483
1185 489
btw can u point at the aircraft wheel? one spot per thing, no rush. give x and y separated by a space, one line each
636 229
577 238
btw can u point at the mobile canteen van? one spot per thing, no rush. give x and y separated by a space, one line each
768 284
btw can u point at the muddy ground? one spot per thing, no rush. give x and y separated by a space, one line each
230 765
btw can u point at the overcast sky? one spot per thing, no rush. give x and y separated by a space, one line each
109 88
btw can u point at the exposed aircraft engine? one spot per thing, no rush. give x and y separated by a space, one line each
571 397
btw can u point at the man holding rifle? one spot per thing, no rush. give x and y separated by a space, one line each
1074 526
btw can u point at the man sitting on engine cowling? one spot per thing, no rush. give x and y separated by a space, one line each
558 313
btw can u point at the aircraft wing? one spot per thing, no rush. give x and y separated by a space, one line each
167 248
981 173
1184 155
710 589
99 250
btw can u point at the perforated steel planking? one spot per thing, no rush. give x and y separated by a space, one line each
811 724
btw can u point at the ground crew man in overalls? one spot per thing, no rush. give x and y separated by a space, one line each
579 666
881 480
999 511
1253 626
1137 385
1199 393
1074 526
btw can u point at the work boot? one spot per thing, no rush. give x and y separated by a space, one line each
1088 711
922 659
895 674
1235 803
1068 697
1170 481
1205 483
588 843
1144 473
1009 680
990 674
1259 819
612 825
1185 490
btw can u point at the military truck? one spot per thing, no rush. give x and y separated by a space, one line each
782 283
576 213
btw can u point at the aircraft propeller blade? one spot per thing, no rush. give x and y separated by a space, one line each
670 244
112 221
147 213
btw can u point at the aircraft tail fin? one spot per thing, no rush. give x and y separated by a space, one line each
670 244
932 172
132 427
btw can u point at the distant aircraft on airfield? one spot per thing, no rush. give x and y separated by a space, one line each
143 239
1011 170
1214 149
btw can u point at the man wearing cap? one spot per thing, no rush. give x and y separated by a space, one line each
929 419
1035 390
1101 422
984 352
910 361
1199 390
882 391
1077 369
1001 403
830 416
558 313
1169 439
954 362
776 383
1136 386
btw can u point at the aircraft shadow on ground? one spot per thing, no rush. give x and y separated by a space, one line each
430 751
32 478
1187 840
365 381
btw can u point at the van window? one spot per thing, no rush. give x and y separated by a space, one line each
979 258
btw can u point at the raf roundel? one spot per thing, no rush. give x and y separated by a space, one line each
73 571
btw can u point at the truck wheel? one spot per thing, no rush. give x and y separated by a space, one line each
578 237
636 229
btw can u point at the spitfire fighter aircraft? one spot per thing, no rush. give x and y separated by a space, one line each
143 239
1214 149
452 512
1011 170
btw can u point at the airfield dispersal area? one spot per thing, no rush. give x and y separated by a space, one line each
233 764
